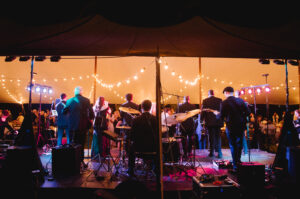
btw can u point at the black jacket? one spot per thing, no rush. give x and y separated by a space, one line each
188 126
80 113
144 133
210 118
234 111
62 119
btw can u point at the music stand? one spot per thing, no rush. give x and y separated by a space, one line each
111 136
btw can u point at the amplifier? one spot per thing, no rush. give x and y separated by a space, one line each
251 174
66 160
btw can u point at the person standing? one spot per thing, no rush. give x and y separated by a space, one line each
187 128
235 112
126 117
100 143
62 120
212 123
81 117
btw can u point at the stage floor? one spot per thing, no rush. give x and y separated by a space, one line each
177 177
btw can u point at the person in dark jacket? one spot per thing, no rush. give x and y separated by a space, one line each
143 134
81 117
4 124
235 112
212 123
187 128
62 120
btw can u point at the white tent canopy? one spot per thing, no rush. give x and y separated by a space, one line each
123 75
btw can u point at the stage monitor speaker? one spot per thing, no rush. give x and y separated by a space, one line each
293 157
251 175
21 164
66 160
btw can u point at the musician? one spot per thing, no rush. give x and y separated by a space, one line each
170 128
80 119
234 111
187 127
100 142
4 124
245 144
62 120
143 134
212 123
126 117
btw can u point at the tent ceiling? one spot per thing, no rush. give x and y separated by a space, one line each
178 29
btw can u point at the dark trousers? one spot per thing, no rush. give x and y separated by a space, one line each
187 143
235 139
60 132
214 139
78 137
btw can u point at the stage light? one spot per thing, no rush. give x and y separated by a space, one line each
24 58
242 92
37 89
258 90
173 73
44 90
50 91
250 91
28 88
293 62
267 89
40 58
279 62
55 58
264 61
9 58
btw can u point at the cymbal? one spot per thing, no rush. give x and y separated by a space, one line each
193 112
175 118
123 127
129 110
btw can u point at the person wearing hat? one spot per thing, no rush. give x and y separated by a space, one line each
234 111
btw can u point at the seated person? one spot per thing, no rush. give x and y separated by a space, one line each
4 124
143 134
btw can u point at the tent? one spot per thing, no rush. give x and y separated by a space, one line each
120 75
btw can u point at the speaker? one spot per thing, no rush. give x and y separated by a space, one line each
66 160
251 175
293 157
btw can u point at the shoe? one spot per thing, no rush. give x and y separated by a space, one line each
210 155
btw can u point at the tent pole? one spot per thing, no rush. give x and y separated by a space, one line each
159 176
286 86
95 82
31 85
200 83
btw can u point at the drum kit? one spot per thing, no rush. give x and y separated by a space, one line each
170 120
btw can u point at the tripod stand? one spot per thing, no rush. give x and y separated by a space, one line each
107 159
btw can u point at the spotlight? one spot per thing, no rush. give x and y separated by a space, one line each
267 89
44 90
242 92
258 90
279 62
24 58
264 61
40 58
250 91
55 58
50 91
293 62
28 88
9 58
37 89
